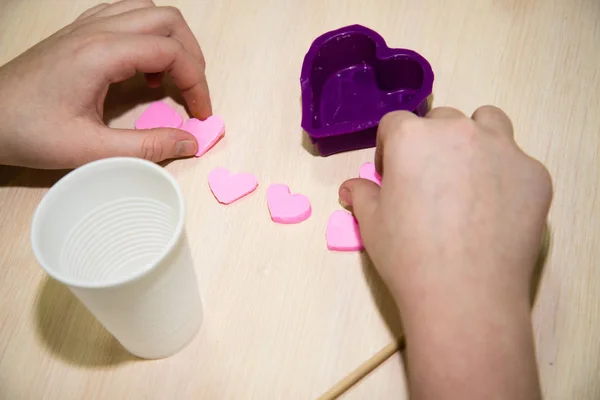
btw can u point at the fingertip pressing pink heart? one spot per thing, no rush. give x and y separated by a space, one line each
159 115
207 132
287 208
342 232
228 187
368 171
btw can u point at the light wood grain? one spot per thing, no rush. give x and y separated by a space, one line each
363 370
285 318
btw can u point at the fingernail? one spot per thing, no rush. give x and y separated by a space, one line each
345 198
186 148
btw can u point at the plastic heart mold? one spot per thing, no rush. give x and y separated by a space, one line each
350 79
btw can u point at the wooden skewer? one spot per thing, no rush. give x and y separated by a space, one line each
363 370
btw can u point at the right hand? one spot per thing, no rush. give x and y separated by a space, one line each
460 203
455 231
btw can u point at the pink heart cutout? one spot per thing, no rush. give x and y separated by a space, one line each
342 233
368 171
287 208
228 187
159 115
207 132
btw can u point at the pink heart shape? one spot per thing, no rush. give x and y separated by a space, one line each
228 187
368 171
342 233
287 208
207 132
159 115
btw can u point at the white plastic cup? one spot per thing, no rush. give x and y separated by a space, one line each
113 232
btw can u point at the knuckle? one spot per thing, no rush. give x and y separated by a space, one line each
494 119
399 122
386 121
171 13
141 3
151 149
487 111
98 41
445 112
91 11
86 46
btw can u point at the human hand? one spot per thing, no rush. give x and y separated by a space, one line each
458 198
454 231
52 96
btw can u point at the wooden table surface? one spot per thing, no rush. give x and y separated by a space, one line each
285 318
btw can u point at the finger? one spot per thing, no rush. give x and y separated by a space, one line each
126 54
152 144
164 21
363 196
493 119
91 11
123 6
390 123
444 113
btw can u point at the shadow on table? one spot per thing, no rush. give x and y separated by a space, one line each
541 262
124 96
383 299
385 304
28 177
308 145
71 332
37 178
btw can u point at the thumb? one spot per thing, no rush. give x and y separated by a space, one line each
363 196
151 144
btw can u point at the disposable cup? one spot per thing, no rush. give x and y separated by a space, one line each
113 232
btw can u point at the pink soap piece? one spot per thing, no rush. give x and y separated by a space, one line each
207 132
342 232
368 171
228 187
159 115
287 208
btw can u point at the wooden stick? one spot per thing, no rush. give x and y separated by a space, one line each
363 370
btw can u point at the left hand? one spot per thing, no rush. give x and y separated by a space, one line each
52 96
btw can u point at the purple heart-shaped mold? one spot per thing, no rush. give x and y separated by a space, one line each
350 79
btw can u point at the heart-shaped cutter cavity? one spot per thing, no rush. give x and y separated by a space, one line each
285 207
350 79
